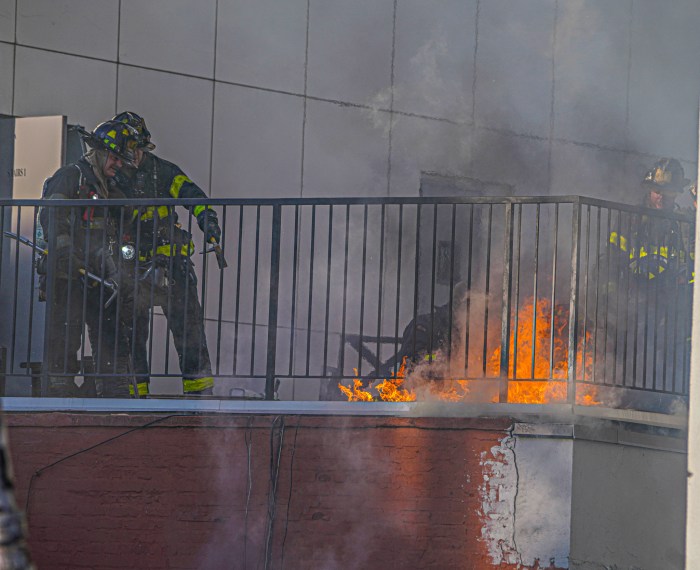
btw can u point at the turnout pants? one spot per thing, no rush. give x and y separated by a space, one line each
180 304
72 306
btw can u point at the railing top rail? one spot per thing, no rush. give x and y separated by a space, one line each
302 201
357 201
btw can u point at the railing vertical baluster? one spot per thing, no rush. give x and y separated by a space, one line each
469 288
380 293
433 254
50 300
487 290
221 297
362 291
398 286
573 320
452 285
505 307
596 272
625 316
169 294
295 262
536 263
237 313
341 361
516 287
274 298
15 294
586 265
30 318
328 290
312 255
552 304
415 280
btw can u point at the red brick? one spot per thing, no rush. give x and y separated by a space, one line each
380 492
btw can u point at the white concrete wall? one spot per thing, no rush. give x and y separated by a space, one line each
628 501
325 97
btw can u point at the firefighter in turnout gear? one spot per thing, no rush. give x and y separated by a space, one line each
81 267
430 334
649 265
654 244
165 248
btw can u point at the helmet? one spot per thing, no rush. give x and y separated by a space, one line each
137 122
115 137
666 176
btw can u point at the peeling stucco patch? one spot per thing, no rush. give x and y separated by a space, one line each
498 491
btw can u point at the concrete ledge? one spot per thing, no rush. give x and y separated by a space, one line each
528 413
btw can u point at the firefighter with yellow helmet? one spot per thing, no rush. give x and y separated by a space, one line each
167 247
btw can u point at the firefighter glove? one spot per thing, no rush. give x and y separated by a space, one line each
68 264
209 224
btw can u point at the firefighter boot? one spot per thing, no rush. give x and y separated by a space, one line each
115 386
205 392
62 387
201 386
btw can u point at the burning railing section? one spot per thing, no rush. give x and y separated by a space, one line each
556 299
538 366
581 320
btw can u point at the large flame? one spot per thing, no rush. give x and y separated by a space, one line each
538 365
539 352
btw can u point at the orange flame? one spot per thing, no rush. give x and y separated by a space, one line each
389 390
356 393
542 353
542 337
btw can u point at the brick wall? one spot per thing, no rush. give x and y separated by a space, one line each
231 491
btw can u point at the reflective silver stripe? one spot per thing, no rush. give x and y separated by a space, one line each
63 241
58 196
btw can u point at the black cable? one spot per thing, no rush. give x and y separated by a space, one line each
38 472
274 478
289 497
248 444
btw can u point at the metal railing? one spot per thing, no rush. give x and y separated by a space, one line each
588 293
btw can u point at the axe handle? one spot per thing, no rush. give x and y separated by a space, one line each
220 259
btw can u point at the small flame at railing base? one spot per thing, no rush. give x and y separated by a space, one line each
449 390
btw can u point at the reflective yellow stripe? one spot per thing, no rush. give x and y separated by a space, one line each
163 212
615 237
142 386
198 384
663 252
169 250
199 209
175 187
430 357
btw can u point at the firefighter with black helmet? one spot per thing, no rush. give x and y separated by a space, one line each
648 262
81 267
649 244
663 183
166 248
